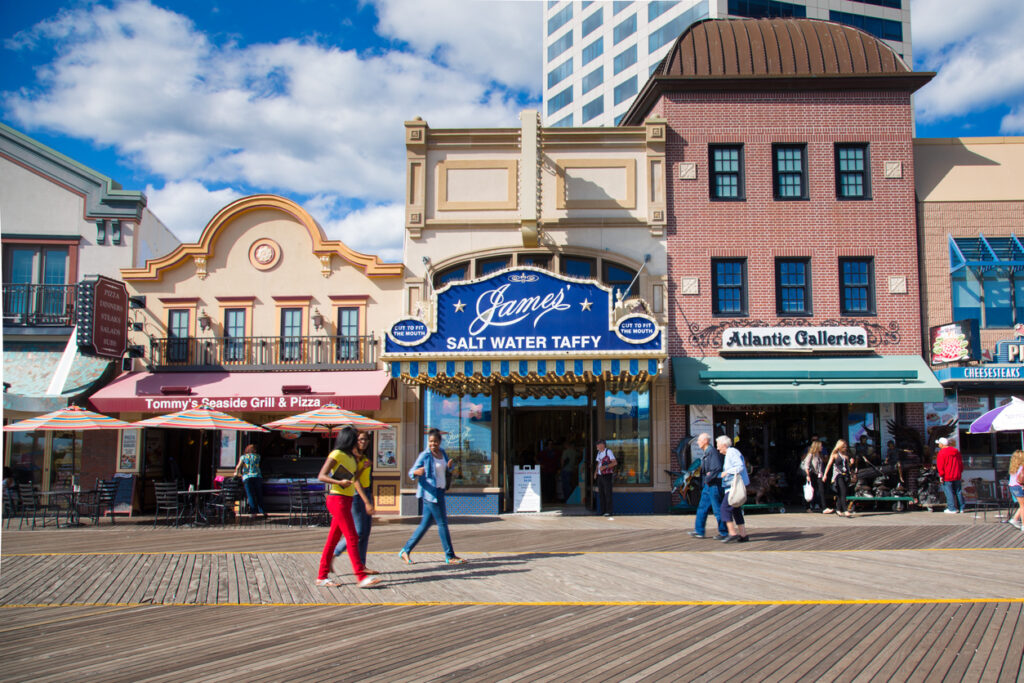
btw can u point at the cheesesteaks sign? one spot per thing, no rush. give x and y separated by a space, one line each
524 311
800 339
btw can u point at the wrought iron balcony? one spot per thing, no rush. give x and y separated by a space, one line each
264 353
27 305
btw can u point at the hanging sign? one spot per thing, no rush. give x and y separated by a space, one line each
102 317
525 311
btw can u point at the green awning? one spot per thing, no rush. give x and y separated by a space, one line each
857 379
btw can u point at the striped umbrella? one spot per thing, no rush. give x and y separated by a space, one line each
199 418
72 418
325 419
1005 418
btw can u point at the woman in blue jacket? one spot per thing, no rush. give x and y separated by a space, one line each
431 474
733 465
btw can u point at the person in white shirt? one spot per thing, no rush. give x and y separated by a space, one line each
733 465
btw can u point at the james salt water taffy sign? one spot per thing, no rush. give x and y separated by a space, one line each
525 311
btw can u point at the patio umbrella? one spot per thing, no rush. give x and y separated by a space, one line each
1007 418
200 418
72 418
324 419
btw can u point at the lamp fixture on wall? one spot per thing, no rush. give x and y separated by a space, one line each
318 319
204 320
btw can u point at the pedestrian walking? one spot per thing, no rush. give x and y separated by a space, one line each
839 463
252 479
1017 487
733 465
711 489
949 465
431 471
813 467
605 475
340 471
362 502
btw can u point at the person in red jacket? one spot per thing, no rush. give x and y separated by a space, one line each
950 467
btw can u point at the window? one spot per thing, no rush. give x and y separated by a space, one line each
291 334
591 23
559 46
790 171
792 286
885 29
620 5
177 336
726 176
966 295
465 423
765 9
348 334
623 91
559 19
895 4
656 8
491 265
560 73
852 178
535 260
592 80
593 108
234 334
857 288
624 29
620 278
562 99
35 284
671 30
574 266
563 123
593 51
729 286
625 59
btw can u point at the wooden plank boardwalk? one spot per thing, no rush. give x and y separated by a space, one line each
905 598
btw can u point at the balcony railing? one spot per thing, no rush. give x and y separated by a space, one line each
264 353
29 305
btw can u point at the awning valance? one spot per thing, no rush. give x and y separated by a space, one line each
860 379
165 392
476 374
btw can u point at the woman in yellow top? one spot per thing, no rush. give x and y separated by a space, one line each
341 470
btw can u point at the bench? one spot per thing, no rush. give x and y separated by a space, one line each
899 503
767 507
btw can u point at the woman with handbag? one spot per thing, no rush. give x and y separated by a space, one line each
813 467
362 504
341 471
839 462
734 482
431 474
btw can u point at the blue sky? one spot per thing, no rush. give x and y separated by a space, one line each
199 103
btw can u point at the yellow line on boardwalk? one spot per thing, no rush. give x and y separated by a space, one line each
551 603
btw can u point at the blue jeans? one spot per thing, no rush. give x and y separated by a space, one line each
362 522
432 512
710 501
954 495
254 492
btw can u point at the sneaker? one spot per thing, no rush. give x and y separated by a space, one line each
731 539
827 511
1015 523
950 512
694 534
721 537
369 582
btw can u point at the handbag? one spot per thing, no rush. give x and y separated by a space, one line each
737 492
808 492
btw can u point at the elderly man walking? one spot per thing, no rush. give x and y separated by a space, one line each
711 491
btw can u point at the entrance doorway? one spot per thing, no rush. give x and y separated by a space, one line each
556 435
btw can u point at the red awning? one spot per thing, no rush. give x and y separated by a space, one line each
265 392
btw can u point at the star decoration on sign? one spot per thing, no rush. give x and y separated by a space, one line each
586 304
459 306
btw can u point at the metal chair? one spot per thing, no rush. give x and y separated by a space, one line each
167 501
33 506
231 492
12 504
299 506
100 501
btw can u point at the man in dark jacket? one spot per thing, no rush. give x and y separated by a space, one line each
950 467
711 491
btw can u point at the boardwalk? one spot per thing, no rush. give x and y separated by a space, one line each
880 597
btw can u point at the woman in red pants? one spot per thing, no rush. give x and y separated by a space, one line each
340 470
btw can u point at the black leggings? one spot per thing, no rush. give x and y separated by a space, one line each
604 487
841 484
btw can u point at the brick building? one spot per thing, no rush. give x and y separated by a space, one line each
791 242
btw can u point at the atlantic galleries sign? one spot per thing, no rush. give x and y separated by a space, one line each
524 312
794 339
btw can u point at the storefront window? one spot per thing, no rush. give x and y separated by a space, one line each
862 424
65 463
626 427
27 455
465 424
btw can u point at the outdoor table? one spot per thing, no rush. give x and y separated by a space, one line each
197 499
71 498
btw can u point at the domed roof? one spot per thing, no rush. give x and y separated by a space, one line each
774 54
777 47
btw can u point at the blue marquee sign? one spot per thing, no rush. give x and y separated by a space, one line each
525 311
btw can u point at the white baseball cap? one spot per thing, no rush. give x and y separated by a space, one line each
943 441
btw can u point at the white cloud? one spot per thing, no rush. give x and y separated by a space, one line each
186 207
976 49
295 118
374 230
